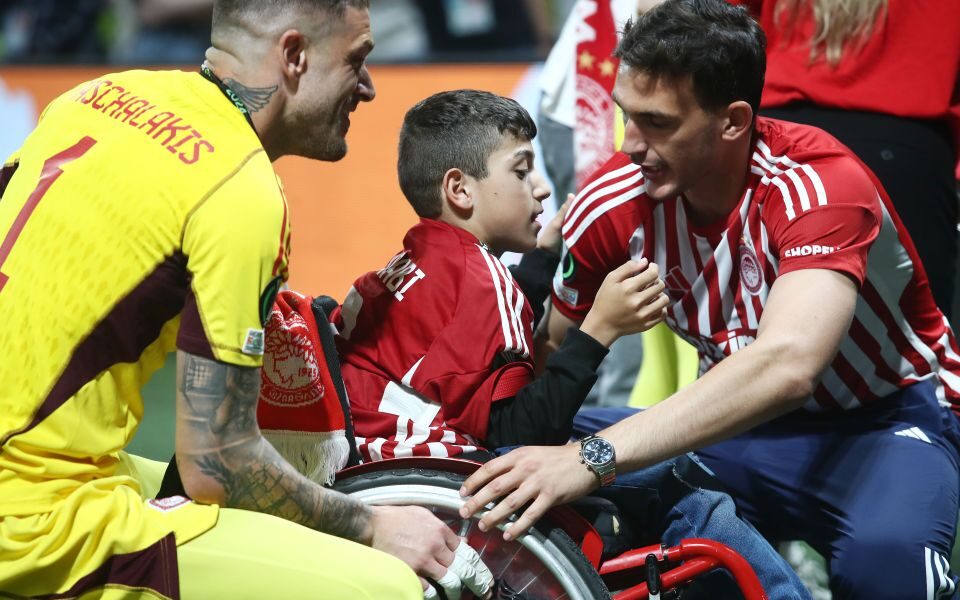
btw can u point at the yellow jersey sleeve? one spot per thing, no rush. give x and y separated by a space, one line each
237 244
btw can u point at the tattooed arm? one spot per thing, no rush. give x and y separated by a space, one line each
224 460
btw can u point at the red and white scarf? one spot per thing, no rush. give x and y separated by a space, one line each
303 410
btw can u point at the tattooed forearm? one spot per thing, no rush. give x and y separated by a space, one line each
254 98
219 444
273 487
220 399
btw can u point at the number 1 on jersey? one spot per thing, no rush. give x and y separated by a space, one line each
52 169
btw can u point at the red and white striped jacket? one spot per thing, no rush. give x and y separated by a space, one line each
808 203
429 342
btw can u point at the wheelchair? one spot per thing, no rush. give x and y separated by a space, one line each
561 556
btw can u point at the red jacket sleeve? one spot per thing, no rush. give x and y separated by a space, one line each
485 346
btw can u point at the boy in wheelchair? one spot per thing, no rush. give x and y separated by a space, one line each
437 348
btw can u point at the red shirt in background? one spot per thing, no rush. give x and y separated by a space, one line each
909 67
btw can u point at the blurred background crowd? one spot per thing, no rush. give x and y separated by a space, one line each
159 32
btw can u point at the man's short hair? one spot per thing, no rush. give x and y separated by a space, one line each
226 12
457 129
719 45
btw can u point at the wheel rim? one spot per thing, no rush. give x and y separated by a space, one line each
535 568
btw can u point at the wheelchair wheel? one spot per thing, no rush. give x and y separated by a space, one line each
542 565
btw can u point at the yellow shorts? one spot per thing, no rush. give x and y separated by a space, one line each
103 538
257 556
243 555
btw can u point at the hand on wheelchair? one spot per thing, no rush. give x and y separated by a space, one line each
437 555
540 477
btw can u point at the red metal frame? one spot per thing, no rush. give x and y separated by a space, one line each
695 556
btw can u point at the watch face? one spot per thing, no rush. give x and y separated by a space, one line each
597 451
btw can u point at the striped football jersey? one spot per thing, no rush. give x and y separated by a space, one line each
807 203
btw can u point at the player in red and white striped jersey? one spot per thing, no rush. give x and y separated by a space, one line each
807 204
829 378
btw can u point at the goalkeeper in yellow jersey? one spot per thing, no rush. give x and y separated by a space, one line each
143 215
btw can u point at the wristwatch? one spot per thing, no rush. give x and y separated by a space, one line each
600 457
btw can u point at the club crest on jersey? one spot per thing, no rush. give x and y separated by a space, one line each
751 275
291 375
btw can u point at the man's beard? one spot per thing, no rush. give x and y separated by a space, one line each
320 142
331 147
332 150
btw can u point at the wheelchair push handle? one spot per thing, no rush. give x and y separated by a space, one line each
653 577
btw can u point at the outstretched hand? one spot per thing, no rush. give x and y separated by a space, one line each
417 537
541 476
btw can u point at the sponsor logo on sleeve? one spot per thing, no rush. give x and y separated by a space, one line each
567 295
253 343
809 250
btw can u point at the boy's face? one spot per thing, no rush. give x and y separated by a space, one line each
508 200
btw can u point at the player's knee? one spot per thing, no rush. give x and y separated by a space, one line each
392 578
858 572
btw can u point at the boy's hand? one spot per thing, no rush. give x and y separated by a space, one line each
551 238
630 300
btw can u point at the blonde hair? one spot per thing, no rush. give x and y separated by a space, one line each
837 23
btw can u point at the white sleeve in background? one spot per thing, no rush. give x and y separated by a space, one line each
626 9
557 80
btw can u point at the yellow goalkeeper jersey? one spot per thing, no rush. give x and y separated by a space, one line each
141 215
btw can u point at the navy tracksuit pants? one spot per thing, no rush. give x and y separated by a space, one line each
875 490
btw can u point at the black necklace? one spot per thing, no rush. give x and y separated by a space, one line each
230 94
